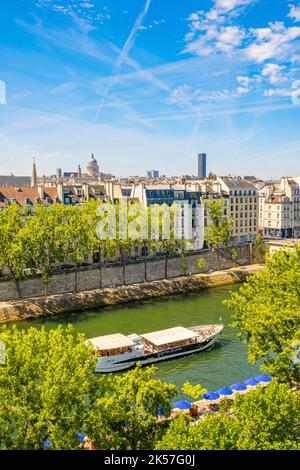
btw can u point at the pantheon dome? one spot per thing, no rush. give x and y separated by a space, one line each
92 168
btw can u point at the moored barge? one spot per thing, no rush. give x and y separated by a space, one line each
118 352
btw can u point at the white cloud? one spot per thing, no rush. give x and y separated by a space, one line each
225 39
278 92
274 73
87 5
276 41
247 82
213 30
294 12
242 90
228 5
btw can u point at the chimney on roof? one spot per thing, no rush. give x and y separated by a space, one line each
41 191
34 175
60 191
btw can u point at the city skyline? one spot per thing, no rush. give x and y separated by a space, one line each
145 86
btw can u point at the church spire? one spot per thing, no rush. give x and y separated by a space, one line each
34 175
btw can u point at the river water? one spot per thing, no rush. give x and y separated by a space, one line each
223 365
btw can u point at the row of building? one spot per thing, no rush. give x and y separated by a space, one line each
271 208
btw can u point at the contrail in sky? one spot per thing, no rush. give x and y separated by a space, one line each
125 51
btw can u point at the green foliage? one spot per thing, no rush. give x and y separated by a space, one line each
184 267
219 231
266 310
43 388
12 255
125 417
234 254
36 241
49 390
268 418
259 249
264 419
215 432
194 391
201 263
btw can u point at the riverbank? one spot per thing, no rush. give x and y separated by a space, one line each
88 300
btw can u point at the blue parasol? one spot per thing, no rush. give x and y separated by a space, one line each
47 444
226 391
263 378
182 405
251 382
238 387
80 437
162 410
211 396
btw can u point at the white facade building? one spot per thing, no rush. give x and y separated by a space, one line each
279 209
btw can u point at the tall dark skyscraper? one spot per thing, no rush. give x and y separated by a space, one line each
201 165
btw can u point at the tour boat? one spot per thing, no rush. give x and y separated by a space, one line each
118 352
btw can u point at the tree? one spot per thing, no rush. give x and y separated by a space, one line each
45 387
211 433
259 249
169 244
219 230
184 267
266 310
12 255
234 255
261 420
42 238
194 391
268 418
49 391
201 263
125 417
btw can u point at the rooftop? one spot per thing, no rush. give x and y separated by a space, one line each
172 335
237 183
108 342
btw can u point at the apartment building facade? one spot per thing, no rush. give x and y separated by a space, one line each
241 205
187 197
279 209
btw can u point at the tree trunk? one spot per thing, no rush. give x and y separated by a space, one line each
17 283
218 259
46 288
123 268
250 253
76 278
166 267
100 269
145 263
124 271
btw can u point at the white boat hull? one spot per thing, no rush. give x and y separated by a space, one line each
119 363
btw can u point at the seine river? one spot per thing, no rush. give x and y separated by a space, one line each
225 364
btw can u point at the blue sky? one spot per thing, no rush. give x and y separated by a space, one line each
149 84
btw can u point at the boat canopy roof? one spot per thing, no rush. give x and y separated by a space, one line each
116 341
172 335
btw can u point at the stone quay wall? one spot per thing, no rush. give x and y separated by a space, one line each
85 279
98 298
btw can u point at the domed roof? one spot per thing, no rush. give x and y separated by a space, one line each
92 166
93 160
